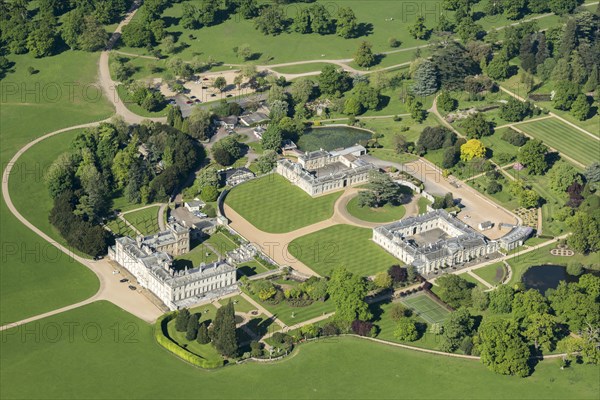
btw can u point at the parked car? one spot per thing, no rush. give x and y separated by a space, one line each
229 95
124 280
197 101
131 287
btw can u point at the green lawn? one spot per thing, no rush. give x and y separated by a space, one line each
423 203
565 139
120 228
387 213
206 351
145 220
200 253
496 145
301 68
34 277
250 268
492 274
240 304
126 343
342 245
273 204
221 243
472 280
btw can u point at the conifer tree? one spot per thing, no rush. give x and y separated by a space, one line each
182 320
223 335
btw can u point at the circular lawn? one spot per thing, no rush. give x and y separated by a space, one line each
387 213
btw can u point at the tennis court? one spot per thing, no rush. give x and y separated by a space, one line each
426 308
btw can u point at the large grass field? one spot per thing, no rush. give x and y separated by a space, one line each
145 220
426 308
387 213
567 140
34 277
342 245
119 344
273 204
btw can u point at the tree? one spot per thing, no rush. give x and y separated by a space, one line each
192 327
533 156
223 331
472 149
581 107
364 56
136 34
446 103
348 292
382 280
362 328
244 51
381 190
433 138
502 348
419 30
585 237
346 23
514 9
60 176
333 81
181 321
352 106
271 20
456 327
592 172
515 110
515 138
399 311
220 83
398 274
425 79
272 138
42 40
562 7
480 299
529 199
476 126
454 290
301 22
541 329
302 90
501 299
499 68
406 330
248 8
562 175
565 94
266 162
319 19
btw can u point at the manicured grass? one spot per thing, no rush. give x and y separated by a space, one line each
387 213
221 243
120 228
206 351
125 97
521 262
331 138
145 220
423 203
342 245
492 274
362 368
200 253
240 304
496 145
293 315
273 204
502 197
426 308
301 68
472 280
565 139
34 276
250 268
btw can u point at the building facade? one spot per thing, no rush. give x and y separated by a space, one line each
321 171
176 289
174 241
433 241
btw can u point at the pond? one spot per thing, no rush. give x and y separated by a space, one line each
331 138
544 277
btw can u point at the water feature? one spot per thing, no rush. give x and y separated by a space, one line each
544 277
331 138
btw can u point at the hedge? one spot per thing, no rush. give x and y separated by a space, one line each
161 336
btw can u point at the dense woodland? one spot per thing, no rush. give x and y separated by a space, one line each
106 162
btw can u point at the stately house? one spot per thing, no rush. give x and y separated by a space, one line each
174 241
433 241
321 171
154 270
